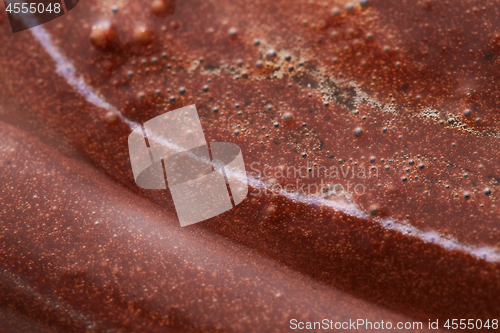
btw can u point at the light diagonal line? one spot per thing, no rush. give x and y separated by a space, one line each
65 68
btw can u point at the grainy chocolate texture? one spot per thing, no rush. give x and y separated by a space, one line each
396 81
77 259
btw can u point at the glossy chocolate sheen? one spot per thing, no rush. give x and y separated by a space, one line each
79 259
403 73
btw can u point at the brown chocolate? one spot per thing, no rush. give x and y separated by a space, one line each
81 253
388 86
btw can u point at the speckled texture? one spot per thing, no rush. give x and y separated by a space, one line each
402 66
78 259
